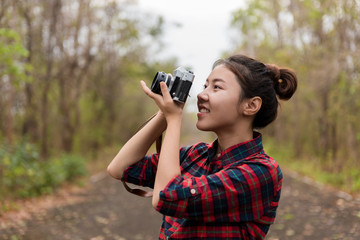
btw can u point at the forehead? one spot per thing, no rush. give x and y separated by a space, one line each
222 74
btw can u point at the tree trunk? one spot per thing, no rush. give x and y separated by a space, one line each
55 11
30 126
10 116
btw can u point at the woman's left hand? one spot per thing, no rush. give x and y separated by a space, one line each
166 104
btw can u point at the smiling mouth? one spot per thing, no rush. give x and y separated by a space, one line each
204 110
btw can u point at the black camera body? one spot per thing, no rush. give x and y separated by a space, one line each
179 85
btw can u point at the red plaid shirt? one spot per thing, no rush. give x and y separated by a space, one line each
231 195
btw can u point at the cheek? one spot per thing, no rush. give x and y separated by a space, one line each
229 105
228 110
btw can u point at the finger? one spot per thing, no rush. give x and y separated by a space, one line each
146 89
165 91
156 97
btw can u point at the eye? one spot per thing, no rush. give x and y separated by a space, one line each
204 86
217 87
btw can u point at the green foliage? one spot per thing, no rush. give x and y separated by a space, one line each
314 38
73 165
24 175
347 178
354 179
11 56
84 92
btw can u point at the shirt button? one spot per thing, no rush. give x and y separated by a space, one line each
218 155
193 191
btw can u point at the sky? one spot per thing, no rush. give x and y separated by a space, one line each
203 36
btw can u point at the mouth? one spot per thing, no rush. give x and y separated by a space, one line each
203 109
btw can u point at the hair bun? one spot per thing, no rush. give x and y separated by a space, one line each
284 79
274 71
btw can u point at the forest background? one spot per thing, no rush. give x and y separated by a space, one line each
69 86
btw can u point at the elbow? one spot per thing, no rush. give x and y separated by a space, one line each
155 199
115 173
155 202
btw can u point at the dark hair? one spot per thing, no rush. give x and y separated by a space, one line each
262 80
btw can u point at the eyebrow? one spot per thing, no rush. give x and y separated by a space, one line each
216 80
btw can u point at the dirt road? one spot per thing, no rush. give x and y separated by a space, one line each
105 211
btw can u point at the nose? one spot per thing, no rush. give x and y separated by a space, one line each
203 96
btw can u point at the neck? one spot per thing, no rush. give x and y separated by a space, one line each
231 138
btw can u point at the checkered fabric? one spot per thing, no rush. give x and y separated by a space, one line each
230 195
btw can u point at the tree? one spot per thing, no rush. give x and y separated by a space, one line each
87 58
12 78
320 40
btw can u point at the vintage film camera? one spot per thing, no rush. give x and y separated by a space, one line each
179 85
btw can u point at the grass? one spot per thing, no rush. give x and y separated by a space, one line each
346 178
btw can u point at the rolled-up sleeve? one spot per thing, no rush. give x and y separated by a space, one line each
241 193
143 172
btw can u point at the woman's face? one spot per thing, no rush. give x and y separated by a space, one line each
218 104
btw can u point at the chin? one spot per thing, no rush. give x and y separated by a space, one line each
201 127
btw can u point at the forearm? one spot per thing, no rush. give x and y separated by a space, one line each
136 148
169 163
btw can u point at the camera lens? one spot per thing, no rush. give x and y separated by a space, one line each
160 77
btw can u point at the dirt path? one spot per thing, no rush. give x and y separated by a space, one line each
105 211
311 211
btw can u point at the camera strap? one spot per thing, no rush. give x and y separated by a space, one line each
137 191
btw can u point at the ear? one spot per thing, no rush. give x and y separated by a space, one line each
252 106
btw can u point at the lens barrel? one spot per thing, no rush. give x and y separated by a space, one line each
160 77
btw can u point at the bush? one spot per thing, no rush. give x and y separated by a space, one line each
74 166
22 174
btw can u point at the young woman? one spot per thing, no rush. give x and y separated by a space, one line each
229 189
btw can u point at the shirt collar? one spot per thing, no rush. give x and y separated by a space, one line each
237 152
